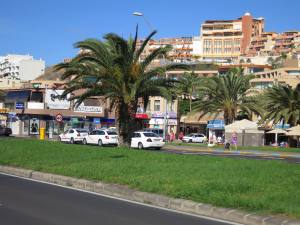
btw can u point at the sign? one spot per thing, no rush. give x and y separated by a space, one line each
35 105
4 110
158 114
141 116
216 124
53 100
19 105
3 117
88 109
34 126
172 122
96 121
155 121
59 118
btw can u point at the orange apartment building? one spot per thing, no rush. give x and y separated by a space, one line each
228 39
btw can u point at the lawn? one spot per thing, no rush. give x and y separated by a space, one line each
262 148
260 186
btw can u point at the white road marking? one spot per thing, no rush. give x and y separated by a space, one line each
125 200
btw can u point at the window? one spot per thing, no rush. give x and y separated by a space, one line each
149 106
100 132
71 131
93 132
136 135
156 105
150 135
111 133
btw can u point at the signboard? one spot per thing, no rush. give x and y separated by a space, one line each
59 118
20 105
158 114
88 109
35 105
4 110
34 126
96 121
53 100
141 116
172 122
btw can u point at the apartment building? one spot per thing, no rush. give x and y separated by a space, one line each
21 67
228 39
182 47
286 42
287 75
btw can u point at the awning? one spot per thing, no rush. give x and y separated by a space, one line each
17 96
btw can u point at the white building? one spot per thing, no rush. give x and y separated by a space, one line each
21 67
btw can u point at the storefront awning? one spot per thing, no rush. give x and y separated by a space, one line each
17 96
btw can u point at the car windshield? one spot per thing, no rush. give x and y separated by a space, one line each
82 131
150 134
111 133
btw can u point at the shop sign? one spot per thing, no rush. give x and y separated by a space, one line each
20 105
141 116
172 114
3 117
4 110
35 105
172 122
96 121
53 100
88 109
158 114
156 121
34 126
59 118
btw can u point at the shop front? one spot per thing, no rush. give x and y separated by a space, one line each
216 131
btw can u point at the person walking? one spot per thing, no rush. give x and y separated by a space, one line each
234 140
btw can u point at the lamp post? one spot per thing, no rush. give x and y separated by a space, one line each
146 20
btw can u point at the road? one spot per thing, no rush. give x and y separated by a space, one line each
27 202
233 154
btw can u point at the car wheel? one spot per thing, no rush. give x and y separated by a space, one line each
72 141
140 145
100 142
190 141
59 139
84 141
157 148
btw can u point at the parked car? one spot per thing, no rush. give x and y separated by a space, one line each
101 137
196 138
158 131
6 131
73 135
146 139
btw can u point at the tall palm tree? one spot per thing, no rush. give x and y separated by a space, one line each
112 68
187 86
282 103
227 94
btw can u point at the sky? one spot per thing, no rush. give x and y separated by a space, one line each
48 29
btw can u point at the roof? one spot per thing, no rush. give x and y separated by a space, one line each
51 74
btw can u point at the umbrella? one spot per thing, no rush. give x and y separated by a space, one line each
276 132
295 132
294 128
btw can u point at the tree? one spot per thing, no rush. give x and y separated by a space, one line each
112 68
187 86
282 103
227 94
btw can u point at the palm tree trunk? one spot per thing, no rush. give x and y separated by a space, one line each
126 123
190 103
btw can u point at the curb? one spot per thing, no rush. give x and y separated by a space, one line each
239 152
122 191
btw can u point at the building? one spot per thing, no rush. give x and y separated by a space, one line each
20 67
288 75
228 39
182 47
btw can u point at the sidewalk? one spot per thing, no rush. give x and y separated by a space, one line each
238 152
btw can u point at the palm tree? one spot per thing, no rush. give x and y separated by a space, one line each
112 68
227 94
282 103
187 86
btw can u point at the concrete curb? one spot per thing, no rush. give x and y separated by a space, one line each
239 152
124 192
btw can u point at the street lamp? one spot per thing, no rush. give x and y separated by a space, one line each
146 20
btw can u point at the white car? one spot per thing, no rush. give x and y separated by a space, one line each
146 139
101 137
196 138
73 135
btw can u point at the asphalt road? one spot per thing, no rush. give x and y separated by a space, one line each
266 156
27 202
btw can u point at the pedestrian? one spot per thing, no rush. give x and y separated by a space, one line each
172 136
180 136
234 140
